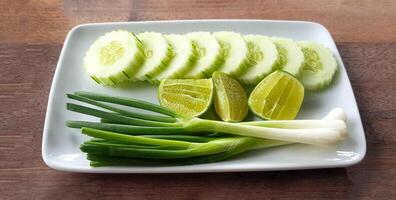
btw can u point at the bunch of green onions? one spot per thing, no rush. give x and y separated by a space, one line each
125 137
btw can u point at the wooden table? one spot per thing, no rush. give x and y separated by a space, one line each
31 37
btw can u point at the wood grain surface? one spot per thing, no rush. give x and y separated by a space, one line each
31 37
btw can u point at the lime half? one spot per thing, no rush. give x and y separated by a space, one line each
187 97
278 97
230 100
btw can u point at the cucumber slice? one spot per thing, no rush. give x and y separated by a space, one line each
319 66
157 54
234 51
183 58
263 57
113 58
291 58
207 50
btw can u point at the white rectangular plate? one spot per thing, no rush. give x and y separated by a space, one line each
60 148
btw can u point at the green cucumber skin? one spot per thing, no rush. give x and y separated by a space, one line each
123 76
150 75
126 74
241 69
191 60
270 52
205 71
298 60
178 74
146 38
279 64
322 79
223 37
180 68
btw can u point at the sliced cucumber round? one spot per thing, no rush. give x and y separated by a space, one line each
263 57
113 58
182 59
207 50
234 52
291 58
319 65
157 54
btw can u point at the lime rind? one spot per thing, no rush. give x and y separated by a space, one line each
230 100
278 97
182 95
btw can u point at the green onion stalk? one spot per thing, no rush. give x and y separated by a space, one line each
125 137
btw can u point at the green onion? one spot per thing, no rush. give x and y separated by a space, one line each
127 129
115 117
188 138
323 133
316 136
120 111
130 138
102 158
187 149
128 102
138 146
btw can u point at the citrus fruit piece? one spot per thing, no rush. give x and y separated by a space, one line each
187 97
230 100
277 97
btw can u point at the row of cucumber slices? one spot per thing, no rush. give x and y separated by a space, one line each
120 55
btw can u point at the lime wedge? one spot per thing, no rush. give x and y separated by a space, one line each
187 97
278 97
230 100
